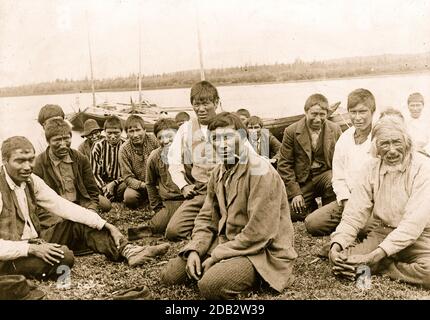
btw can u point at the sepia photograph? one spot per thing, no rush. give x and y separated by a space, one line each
242 150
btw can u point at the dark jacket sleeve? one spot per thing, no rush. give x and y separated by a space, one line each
274 146
152 179
89 180
287 161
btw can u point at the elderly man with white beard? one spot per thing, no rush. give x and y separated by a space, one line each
394 188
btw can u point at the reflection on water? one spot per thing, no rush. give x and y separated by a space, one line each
18 114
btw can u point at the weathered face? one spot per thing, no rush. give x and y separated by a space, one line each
226 143
315 117
165 137
60 145
391 146
361 116
415 109
20 165
254 131
94 136
136 133
113 135
205 110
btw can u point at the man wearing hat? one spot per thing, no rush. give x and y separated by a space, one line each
67 171
24 248
91 134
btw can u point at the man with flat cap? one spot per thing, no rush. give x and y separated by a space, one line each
91 134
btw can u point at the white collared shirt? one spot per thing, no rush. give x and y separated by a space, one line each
49 200
348 159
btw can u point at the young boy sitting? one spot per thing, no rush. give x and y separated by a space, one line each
164 196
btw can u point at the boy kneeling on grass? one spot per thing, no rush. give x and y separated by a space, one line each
243 234
27 249
164 195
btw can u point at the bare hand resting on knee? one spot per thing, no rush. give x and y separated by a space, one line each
48 252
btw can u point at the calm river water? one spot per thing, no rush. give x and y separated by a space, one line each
18 114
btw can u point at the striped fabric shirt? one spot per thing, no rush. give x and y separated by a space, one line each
105 162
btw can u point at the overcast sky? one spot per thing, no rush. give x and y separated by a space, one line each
41 40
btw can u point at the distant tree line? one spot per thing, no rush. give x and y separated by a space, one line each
278 72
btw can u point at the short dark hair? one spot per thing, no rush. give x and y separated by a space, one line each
14 143
49 111
132 120
164 124
243 112
182 116
416 97
204 90
55 127
318 99
113 122
255 120
225 119
362 96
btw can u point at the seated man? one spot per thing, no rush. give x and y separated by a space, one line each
133 156
164 196
264 143
66 170
190 160
22 250
243 234
105 161
417 122
244 115
305 158
352 150
395 189
182 117
91 134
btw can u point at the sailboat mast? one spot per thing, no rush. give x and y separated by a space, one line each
140 66
199 42
91 64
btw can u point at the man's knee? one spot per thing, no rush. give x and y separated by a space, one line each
174 272
212 287
104 204
313 225
69 257
173 232
131 198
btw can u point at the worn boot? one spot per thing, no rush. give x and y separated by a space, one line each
137 255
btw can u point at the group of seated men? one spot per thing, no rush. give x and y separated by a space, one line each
227 186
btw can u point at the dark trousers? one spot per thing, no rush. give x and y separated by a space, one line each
316 186
72 236
162 218
181 224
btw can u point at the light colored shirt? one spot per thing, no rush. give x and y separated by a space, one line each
399 198
419 130
348 160
49 200
174 157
